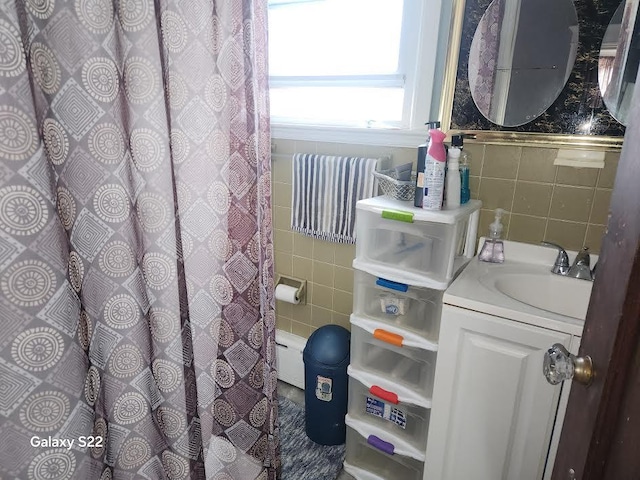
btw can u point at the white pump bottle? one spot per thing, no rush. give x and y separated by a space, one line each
453 178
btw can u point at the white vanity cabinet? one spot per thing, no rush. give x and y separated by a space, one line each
495 411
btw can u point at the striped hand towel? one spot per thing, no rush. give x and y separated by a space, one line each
325 191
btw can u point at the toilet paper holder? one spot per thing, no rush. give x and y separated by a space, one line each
299 284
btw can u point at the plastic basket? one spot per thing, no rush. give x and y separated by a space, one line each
399 189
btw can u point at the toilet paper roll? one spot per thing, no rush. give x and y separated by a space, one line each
286 294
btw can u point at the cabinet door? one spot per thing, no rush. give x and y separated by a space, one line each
493 411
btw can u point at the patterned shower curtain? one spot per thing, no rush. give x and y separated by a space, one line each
136 260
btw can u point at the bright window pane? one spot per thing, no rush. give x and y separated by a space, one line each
334 37
337 105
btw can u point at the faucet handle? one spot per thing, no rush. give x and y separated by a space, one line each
561 265
580 267
583 257
551 244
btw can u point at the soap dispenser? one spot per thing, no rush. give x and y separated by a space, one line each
493 249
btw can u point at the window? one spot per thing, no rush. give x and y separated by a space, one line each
351 63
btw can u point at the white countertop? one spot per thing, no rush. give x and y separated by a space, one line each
472 291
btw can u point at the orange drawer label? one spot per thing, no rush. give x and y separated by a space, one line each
388 337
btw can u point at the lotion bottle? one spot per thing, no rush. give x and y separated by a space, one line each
452 191
493 248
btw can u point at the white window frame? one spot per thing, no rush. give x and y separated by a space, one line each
421 101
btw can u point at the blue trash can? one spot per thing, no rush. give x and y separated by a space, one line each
326 357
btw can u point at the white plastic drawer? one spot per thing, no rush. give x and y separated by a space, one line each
412 364
424 247
366 462
411 308
432 246
385 408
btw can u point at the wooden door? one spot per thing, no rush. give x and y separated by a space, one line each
601 433
495 411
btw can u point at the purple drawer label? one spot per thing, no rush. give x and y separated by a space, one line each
380 444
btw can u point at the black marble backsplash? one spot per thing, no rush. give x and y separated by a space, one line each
579 102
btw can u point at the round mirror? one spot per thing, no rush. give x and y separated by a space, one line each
520 59
619 58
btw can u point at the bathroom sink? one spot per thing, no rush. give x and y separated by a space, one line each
524 289
550 292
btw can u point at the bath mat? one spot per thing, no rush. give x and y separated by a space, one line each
303 459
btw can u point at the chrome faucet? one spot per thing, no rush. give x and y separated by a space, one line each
580 267
561 265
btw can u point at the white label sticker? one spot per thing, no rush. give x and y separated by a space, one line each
324 390
384 410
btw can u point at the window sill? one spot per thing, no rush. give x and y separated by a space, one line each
351 135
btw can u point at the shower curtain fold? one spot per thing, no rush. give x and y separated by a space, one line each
136 257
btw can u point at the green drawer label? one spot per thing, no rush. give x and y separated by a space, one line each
398 215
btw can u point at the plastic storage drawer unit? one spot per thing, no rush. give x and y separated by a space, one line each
375 402
427 247
408 361
371 458
398 304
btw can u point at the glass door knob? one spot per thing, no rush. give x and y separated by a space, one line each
560 365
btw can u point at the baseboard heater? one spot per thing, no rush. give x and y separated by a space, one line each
289 348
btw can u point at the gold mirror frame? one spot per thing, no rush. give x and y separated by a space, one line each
583 142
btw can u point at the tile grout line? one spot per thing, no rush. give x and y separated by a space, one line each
532 182
596 188
513 197
553 189
600 171
588 222
480 173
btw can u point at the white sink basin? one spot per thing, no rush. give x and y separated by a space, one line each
550 292
524 289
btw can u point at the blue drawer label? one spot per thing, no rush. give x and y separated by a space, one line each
388 412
